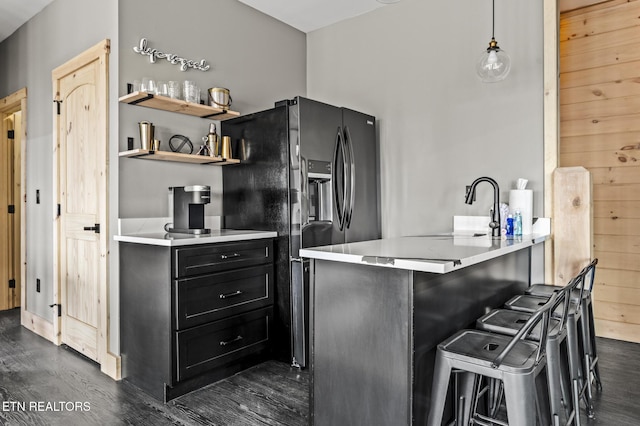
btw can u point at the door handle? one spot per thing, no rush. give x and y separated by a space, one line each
352 175
95 228
228 295
341 205
229 256
334 173
228 342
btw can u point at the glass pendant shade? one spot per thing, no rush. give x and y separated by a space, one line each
494 64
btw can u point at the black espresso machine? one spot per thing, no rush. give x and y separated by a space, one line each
186 207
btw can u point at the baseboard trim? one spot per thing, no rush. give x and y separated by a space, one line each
38 325
112 366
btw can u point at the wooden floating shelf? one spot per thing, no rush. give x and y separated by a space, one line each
165 103
177 157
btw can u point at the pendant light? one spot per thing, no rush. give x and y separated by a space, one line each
494 64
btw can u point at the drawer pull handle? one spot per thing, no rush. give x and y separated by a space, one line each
228 295
228 342
229 256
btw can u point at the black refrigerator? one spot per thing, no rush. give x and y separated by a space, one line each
309 171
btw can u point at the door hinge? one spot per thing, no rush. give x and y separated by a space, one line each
11 134
12 283
57 105
59 308
12 209
59 209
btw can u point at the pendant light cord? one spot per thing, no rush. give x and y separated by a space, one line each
493 19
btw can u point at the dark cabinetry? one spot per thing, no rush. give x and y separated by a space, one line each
193 315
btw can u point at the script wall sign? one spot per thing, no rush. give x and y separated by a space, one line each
154 54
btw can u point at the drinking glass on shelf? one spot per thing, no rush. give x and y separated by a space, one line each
190 91
173 89
148 85
136 86
162 88
197 95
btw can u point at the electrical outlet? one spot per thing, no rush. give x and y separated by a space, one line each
37 285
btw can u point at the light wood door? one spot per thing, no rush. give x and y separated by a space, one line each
82 180
600 130
10 211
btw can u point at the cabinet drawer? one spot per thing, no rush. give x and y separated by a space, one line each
218 343
190 261
211 297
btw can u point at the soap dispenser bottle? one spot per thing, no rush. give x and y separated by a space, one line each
509 225
517 224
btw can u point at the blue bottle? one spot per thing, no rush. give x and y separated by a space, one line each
509 225
517 224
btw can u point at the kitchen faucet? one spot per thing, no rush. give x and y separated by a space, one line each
495 212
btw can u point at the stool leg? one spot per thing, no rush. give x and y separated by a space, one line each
441 376
587 312
576 364
575 386
565 372
467 383
588 390
520 396
495 396
587 350
558 389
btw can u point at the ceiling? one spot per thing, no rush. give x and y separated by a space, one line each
309 15
305 15
14 13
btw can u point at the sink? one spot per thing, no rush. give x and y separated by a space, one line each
471 225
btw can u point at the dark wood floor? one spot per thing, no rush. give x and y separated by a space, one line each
36 373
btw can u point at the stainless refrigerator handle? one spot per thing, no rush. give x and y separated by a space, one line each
352 175
345 180
334 172
304 197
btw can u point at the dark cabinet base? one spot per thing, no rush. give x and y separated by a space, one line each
219 343
179 333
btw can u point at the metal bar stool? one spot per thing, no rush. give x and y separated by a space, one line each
529 303
514 360
562 366
588 330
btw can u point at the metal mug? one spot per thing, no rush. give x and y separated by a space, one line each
226 148
146 134
219 97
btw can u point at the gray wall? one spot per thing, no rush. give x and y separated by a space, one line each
412 65
259 59
58 33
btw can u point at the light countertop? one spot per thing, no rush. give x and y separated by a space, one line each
151 231
439 253
175 240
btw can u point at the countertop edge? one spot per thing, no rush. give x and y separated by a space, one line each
422 265
227 235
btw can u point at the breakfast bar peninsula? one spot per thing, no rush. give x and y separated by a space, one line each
378 310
